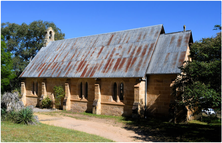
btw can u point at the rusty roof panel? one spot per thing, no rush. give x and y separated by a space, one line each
117 54
169 53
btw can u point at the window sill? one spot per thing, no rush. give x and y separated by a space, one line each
79 100
32 96
114 103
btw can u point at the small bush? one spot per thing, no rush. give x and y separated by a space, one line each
59 95
11 116
46 102
24 116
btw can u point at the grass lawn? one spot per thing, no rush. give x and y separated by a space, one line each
152 129
11 132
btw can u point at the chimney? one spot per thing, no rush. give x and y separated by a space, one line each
49 36
184 28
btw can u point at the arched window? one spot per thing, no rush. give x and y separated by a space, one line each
36 88
80 90
33 88
50 34
121 92
114 91
86 90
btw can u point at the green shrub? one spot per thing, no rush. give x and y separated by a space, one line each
24 116
11 116
59 95
3 113
46 102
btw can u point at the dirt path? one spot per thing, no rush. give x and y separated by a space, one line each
105 128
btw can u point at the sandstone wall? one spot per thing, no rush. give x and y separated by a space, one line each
122 107
32 101
77 106
33 95
159 94
80 104
111 109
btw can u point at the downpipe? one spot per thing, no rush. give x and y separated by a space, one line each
145 116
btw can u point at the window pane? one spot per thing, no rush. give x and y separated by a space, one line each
80 90
114 91
37 88
121 91
86 90
33 87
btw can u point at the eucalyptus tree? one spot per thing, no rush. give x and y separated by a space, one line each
7 73
24 41
199 84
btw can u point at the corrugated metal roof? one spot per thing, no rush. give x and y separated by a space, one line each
169 53
117 54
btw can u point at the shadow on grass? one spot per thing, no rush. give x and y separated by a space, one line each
152 129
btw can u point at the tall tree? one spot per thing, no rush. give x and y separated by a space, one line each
24 41
7 73
199 84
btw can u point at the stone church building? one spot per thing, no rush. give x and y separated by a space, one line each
117 73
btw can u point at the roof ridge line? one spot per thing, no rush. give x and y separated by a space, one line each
176 32
110 32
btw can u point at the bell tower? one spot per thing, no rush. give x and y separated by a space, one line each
49 36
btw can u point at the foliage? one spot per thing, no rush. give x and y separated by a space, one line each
59 94
7 73
3 113
211 119
11 116
217 27
199 84
18 90
24 116
46 102
24 41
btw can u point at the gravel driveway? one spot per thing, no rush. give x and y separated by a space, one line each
43 110
98 127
